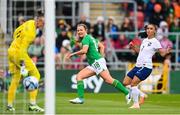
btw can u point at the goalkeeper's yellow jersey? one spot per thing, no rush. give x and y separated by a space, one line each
23 36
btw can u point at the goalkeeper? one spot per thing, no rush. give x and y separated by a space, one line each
23 36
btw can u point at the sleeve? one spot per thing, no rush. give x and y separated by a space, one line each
97 41
157 45
85 41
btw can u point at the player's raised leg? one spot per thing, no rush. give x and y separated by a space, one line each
115 83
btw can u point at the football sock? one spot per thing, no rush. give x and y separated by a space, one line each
9 105
118 85
130 90
128 86
141 93
135 94
33 95
80 89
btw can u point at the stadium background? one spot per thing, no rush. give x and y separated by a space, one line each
120 22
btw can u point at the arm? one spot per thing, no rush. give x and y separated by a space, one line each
101 48
134 48
80 52
164 51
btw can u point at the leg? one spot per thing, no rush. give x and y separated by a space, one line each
15 71
135 92
33 71
141 75
108 79
127 81
142 98
84 73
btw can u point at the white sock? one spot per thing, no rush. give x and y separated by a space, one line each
10 105
135 94
130 90
141 93
32 102
128 86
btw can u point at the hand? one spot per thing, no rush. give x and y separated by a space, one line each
68 56
131 45
168 50
23 71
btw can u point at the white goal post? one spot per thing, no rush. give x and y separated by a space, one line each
49 57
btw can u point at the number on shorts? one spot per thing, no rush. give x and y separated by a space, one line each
96 65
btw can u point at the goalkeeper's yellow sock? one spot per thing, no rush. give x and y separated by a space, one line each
33 95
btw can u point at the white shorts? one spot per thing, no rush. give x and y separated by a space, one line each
98 66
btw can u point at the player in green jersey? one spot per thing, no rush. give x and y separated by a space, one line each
94 51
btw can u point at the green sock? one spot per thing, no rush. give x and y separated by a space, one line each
80 89
118 85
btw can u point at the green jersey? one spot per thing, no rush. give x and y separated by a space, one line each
92 53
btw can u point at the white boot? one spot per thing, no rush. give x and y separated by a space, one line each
77 101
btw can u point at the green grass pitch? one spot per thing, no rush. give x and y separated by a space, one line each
102 103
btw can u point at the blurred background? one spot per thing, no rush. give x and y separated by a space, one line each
115 23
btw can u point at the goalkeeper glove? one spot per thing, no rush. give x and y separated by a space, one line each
23 70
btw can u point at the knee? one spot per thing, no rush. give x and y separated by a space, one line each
125 83
79 77
133 84
109 80
35 74
38 76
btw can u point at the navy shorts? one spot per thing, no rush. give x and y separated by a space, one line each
141 72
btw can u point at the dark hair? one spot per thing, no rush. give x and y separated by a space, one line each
39 13
143 34
85 27
153 26
145 27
